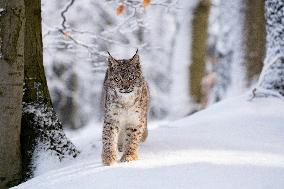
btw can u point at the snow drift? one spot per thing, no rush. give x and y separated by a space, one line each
237 143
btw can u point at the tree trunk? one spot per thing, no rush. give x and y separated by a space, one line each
41 129
271 81
228 51
12 22
199 48
254 39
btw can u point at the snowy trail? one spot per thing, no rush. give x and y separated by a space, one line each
233 144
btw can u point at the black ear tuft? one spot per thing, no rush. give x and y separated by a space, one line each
108 53
135 58
111 60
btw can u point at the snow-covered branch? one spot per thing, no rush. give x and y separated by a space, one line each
272 77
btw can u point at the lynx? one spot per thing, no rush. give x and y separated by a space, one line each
126 100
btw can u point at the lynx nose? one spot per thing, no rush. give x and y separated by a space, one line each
126 84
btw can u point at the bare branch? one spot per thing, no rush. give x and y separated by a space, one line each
63 24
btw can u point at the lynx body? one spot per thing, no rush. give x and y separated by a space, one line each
126 101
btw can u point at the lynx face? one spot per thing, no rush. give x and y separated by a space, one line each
125 75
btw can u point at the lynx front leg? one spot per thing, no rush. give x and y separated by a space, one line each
145 135
121 138
132 140
110 137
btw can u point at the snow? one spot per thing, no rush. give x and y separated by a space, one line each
1 10
274 29
236 143
271 78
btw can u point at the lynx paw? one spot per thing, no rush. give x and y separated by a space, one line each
108 159
127 158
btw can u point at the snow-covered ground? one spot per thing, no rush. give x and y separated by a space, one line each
234 144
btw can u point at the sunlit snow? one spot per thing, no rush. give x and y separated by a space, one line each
237 143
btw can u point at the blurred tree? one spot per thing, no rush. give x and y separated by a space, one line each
12 20
65 92
41 129
227 49
254 30
198 49
63 71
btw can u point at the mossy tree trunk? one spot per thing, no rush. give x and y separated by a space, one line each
254 38
198 49
12 20
41 129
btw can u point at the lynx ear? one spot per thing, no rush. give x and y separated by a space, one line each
111 60
135 58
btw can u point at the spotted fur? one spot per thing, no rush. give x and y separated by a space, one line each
125 106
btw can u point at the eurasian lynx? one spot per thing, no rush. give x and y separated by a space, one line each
126 105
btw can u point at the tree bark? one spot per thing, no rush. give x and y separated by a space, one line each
41 128
254 39
11 86
271 81
199 48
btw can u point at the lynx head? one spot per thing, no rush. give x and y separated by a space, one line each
125 74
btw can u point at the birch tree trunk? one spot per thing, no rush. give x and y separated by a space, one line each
271 81
41 128
11 86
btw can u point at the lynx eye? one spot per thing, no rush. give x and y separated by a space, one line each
131 77
116 79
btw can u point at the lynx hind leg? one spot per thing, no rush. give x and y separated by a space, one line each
110 137
145 135
132 140
121 139
145 132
